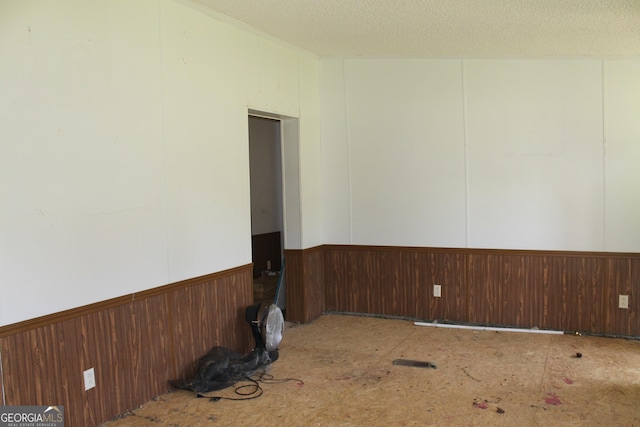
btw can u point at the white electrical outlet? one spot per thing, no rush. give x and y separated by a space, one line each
623 301
437 291
89 379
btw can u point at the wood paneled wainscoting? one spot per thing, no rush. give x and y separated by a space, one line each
567 291
135 344
304 284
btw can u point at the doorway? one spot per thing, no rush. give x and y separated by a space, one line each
275 201
267 217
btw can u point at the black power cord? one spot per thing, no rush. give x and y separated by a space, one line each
253 390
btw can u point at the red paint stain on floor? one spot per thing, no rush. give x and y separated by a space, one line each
552 399
568 380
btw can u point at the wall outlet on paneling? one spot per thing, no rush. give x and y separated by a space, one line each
89 379
437 291
623 301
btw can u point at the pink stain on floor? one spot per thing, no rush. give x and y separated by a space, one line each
568 380
552 399
480 405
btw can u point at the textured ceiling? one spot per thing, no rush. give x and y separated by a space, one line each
445 28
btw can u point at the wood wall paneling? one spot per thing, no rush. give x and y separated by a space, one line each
394 282
294 282
568 291
582 296
314 276
501 292
134 344
447 269
342 280
369 269
394 299
622 277
304 280
207 314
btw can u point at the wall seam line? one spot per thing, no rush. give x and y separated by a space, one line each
604 157
348 135
163 136
4 402
465 142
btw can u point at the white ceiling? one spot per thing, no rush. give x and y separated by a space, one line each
445 28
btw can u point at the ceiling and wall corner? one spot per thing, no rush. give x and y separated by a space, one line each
357 32
446 28
562 37
124 159
161 97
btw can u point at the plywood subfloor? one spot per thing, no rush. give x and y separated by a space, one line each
347 378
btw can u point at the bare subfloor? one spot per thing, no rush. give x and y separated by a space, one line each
345 376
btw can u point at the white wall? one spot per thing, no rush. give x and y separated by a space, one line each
534 136
81 155
335 152
509 154
124 158
622 155
311 172
407 152
124 154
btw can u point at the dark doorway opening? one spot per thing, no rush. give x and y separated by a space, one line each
267 218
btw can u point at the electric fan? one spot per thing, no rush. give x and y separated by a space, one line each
221 367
